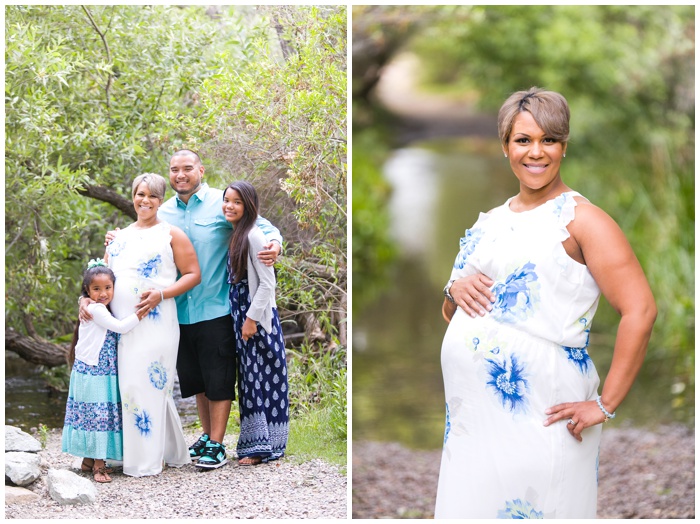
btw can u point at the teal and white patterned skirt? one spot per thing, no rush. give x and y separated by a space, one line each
93 423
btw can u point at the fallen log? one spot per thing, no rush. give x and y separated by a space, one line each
35 350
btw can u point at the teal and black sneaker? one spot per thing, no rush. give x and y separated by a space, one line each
197 449
214 456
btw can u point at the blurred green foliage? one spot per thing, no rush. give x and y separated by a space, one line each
372 248
628 75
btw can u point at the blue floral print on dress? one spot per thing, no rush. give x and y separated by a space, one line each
149 269
508 382
114 248
580 357
154 314
143 422
519 509
467 245
517 296
447 422
158 375
559 204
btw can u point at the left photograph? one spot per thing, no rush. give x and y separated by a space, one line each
176 261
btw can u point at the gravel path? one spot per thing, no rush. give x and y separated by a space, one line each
280 489
642 474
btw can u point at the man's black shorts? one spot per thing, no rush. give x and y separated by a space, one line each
206 359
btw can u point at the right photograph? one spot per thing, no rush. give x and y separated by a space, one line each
523 254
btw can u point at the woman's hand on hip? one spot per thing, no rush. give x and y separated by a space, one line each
578 416
473 294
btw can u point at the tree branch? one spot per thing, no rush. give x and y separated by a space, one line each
285 45
109 55
110 196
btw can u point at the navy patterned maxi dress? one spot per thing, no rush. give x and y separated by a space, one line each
503 370
262 383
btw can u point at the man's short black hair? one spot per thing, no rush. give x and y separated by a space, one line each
181 152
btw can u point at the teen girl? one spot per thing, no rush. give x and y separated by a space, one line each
93 424
262 368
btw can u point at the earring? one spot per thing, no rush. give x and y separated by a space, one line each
505 155
564 155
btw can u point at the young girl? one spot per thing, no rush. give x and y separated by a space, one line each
93 424
262 368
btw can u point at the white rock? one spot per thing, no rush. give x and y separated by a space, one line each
65 487
14 495
18 440
22 468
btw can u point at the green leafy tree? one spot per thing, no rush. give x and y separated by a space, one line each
274 113
85 88
97 95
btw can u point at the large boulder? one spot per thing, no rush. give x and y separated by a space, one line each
22 468
18 440
65 487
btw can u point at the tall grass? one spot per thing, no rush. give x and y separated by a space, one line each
317 405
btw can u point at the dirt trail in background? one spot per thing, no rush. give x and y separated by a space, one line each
424 115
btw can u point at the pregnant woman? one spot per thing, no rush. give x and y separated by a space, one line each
523 410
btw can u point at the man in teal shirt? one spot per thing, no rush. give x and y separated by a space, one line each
206 361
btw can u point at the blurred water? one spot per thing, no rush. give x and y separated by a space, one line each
29 401
397 381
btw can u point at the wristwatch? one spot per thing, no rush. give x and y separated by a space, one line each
446 291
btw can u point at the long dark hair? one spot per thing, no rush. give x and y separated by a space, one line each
88 277
238 246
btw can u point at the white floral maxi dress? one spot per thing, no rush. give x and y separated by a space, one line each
143 259
502 371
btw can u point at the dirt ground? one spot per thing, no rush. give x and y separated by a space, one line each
642 474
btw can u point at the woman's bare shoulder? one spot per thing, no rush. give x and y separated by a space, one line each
592 221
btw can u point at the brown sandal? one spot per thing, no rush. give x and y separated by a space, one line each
100 475
250 461
86 467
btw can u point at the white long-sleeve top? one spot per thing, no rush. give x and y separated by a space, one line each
91 335
261 282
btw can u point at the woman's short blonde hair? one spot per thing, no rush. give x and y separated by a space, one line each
549 109
156 185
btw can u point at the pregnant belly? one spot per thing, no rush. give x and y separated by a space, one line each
127 294
484 356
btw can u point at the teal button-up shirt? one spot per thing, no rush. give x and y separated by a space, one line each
202 220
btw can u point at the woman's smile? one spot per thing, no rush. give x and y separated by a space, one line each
536 169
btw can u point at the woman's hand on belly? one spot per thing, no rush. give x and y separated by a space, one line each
473 294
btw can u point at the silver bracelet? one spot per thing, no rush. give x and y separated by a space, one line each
605 411
161 295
